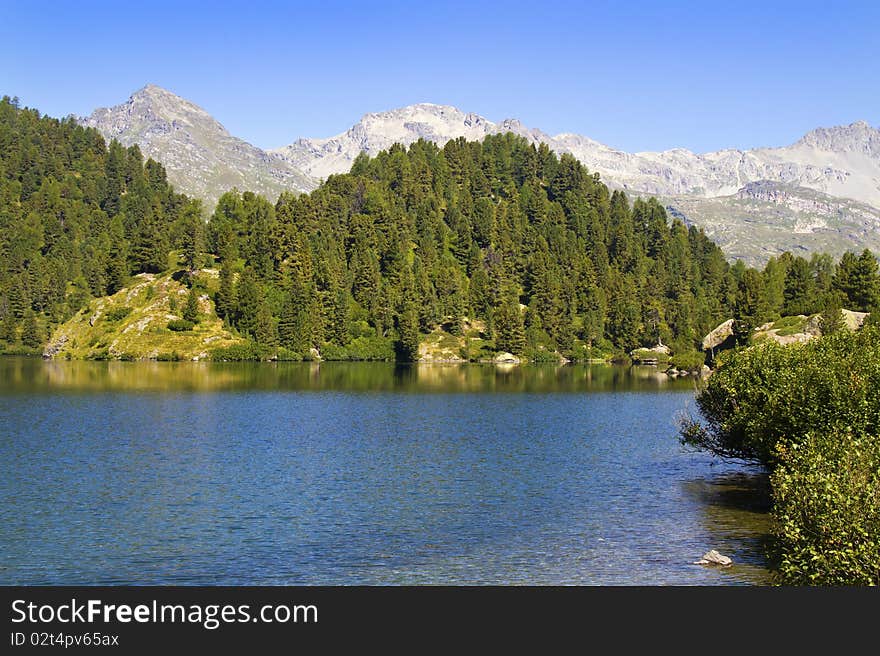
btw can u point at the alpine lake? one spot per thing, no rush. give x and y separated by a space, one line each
160 473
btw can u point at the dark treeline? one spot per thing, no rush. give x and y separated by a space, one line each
500 232
77 218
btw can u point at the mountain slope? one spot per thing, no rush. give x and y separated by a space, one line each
766 218
842 161
201 157
839 165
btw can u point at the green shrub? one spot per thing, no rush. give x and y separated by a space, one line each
117 313
244 352
180 325
480 349
333 352
770 394
286 355
827 509
13 349
581 353
647 354
688 360
168 357
790 322
541 356
98 354
811 411
361 349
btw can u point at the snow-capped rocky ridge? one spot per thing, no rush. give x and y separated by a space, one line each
200 156
841 161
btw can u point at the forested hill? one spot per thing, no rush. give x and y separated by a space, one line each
76 219
495 231
499 242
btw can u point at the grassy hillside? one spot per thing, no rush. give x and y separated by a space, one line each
133 324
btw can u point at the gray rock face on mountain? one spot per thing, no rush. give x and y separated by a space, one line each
202 159
819 194
842 161
765 218
321 158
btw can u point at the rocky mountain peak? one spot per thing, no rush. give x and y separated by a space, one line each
859 137
789 190
201 157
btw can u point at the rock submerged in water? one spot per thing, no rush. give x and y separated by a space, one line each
714 558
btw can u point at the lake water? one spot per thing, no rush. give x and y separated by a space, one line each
356 473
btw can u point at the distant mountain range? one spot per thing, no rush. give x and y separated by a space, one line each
201 157
819 194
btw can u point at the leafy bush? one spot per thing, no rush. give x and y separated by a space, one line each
790 322
811 411
117 313
770 394
581 353
334 352
647 354
168 357
180 325
19 349
541 356
827 507
688 360
286 355
98 354
244 352
361 349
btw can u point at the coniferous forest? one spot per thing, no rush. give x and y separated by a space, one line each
499 239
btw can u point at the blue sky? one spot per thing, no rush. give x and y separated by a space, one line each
634 75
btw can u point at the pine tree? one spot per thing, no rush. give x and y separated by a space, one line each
30 331
225 299
150 247
9 329
508 326
408 331
117 264
264 329
832 317
250 301
193 235
191 309
857 277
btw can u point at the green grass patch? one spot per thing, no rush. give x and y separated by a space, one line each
640 355
180 325
117 313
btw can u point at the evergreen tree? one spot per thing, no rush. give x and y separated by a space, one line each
832 317
264 328
858 279
193 237
191 309
150 247
250 302
408 330
30 331
508 326
9 329
225 299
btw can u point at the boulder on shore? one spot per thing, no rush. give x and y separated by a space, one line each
506 358
719 335
658 352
